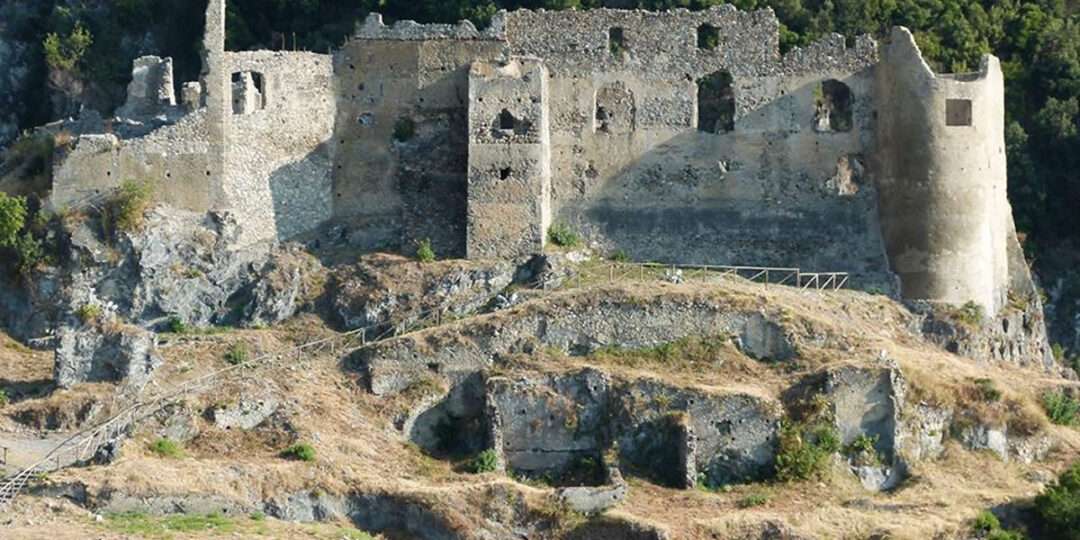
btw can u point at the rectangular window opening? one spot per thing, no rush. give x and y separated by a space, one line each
616 41
958 112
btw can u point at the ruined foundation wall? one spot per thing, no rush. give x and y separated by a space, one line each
280 142
945 214
640 176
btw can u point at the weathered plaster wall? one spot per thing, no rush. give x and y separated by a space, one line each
945 214
773 191
178 159
509 179
279 158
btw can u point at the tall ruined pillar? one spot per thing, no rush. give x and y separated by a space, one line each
509 188
945 214
216 90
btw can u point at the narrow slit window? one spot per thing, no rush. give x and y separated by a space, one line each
708 37
958 112
617 41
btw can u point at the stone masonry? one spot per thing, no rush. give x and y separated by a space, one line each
674 136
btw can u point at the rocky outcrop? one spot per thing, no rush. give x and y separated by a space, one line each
1016 335
385 290
562 427
181 265
575 324
88 353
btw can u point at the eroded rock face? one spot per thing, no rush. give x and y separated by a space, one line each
189 266
548 425
89 354
384 290
1009 446
1016 335
625 322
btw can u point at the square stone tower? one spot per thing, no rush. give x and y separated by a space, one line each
509 188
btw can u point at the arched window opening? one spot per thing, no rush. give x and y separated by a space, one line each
832 107
716 103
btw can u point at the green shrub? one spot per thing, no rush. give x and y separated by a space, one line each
987 390
562 235
30 253
66 52
752 500
238 353
620 256
424 252
176 325
4 399
985 522
1062 409
126 207
1059 505
484 462
300 451
805 447
167 448
404 129
863 450
12 219
970 314
257 516
88 313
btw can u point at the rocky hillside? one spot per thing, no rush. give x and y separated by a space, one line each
288 392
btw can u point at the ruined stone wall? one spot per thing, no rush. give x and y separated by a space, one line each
177 160
945 215
183 161
632 170
400 169
509 159
279 142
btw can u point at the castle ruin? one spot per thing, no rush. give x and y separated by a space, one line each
675 136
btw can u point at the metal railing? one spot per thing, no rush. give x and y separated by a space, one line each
766 275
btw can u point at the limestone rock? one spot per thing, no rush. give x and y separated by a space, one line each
385 290
246 413
88 354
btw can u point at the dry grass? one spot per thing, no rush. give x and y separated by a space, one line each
360 450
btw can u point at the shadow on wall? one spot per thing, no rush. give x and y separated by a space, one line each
402 154
301 193
784 187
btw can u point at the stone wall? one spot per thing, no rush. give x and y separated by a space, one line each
634 171
279 148
509 159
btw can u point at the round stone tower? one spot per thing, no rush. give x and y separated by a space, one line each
942 177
